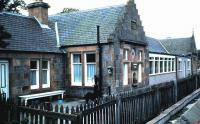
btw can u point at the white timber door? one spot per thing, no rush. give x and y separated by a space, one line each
4 80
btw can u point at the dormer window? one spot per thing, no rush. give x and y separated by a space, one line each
133 24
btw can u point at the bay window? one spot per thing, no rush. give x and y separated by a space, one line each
159 64
90 71
34 74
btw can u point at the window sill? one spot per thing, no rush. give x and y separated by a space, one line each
162 73
46 86
82 87
34 87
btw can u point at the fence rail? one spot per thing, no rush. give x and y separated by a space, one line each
133 107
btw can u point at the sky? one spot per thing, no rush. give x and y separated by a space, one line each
161 18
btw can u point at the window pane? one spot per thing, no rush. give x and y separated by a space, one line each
140 55
91 71
44 76
77 72
173 65
165 66
156 66
151 67
151 58
33 64
133 25
3 75
169 64
33 77
125 80
44 64
77 58
91 57
161 66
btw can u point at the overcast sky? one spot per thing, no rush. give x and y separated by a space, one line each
160 18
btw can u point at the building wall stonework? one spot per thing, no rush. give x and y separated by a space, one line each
19 71
134 37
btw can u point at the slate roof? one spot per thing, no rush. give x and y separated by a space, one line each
27 34
78 28
180 46
155 45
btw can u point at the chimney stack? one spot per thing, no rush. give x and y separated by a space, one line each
39 9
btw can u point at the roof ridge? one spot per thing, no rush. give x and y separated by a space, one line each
15 14
174 38
88 10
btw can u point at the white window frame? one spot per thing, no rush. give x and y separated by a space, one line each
85 72
48 75
37 75
72 70
162 64
153 65
158 61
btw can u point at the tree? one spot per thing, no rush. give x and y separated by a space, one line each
68 10
12 5
9 6
3 35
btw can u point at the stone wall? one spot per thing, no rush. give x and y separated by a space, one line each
19 71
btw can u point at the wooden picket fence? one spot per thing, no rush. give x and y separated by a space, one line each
132 107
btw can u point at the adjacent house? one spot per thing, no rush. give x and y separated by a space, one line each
183 47
171 59
32 62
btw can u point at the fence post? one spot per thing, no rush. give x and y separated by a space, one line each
118 109
196 81
79 118
175 91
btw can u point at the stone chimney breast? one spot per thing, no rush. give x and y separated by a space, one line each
39 9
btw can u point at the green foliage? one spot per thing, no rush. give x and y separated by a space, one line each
68 10
3 35
12 5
